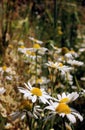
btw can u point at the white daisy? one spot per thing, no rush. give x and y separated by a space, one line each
75 63
71 54
38 48
69 78
22 49
35 40
64 110
42 80
59 66
66 98
34 93
2 90
5 69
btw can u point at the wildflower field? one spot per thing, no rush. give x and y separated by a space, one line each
42 65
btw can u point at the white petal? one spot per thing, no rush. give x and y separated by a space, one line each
29 85
59 96
34 98
63 95
2 90
78 115
50 108
73 96
71 118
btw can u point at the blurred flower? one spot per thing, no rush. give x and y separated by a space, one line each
57 49
69 78
75 63
81 50
2 90
41 80
59 66
59 30
5 69
21 43
34 93
35 40
35 112
71 55
8 126
38 48
22 49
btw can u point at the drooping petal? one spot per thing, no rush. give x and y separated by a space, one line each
34 98
71 118
78 115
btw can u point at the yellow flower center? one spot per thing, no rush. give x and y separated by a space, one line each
4 68
37 46
65 50
22 47
60 32
11 46
64 100
36 91
53 65
63 108
72 51
30 53
60 64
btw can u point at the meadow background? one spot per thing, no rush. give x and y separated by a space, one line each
34 35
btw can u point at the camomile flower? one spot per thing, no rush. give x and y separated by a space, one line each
62 109
35 40
57 49
21 43
5 69
22 49
69 78
42 80
2 90
34 113
34 93
66 98
59 66
36 47
75 63
71 54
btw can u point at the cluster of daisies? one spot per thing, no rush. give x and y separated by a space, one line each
50 82
48 71
59 105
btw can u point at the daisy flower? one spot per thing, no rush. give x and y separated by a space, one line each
35 113
22 49
66 98
37 47
64 110
35 40
75 63
2 90
42 80
5 69
34 93
71 54
59 66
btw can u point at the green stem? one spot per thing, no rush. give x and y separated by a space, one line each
77 84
